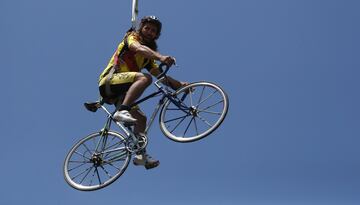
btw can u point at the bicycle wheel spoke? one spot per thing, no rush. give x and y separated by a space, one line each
93 175
201 95
81 173
104 143
86 147
206 122
78 166
210 106
111 164
116 157
196 127
100 143
74 161
173 109
108 152
85 175
178 105
106 172
210 112
93 141
181 102
98 175
208 97
82 155
188 126
176 118
191 98
178 124
118 149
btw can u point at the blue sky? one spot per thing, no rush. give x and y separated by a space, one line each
290 68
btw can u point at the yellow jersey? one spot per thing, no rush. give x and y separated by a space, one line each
128 60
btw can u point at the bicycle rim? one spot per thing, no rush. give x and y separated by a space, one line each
200 112
96 161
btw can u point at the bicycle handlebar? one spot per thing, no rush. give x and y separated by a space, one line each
163 73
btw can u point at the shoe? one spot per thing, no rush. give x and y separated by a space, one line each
146 160
124 116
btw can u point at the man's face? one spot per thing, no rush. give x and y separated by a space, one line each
149 32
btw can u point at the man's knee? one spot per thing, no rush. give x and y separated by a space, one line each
146 78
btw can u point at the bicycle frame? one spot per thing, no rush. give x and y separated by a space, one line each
166 94
186 115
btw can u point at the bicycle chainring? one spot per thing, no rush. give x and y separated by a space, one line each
134 147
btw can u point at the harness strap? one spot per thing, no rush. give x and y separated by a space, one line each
107 82
120 58
116 62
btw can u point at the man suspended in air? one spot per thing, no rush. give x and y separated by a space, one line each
122 81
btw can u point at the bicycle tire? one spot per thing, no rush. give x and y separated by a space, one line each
84 160
171 115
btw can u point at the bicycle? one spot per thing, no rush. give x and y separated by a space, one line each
186 115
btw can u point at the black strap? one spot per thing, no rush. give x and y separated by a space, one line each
112 70
107 82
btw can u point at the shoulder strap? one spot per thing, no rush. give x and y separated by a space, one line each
116 61
126 46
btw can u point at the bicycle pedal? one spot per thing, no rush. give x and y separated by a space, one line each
92 106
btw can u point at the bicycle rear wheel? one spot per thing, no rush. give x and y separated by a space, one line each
96 161
198 110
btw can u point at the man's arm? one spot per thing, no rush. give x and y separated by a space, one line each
174 84
151 54
145 51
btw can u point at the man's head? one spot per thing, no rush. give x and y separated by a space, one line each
150 28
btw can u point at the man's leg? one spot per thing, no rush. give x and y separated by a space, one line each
142 158
141 82
141 121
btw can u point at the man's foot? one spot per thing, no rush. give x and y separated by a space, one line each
124 116
145 160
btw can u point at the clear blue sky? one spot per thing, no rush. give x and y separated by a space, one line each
290 68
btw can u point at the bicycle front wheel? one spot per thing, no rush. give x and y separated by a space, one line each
96 161
195 112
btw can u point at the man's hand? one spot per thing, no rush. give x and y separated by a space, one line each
168 60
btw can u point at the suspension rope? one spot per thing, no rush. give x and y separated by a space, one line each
134 13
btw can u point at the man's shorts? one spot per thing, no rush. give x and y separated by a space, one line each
119 85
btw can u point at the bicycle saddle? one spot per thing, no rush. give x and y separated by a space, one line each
92 106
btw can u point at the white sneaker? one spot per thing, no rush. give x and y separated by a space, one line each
145 160
139 160
124 116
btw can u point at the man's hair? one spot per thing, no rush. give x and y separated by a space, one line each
152 44
153 20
